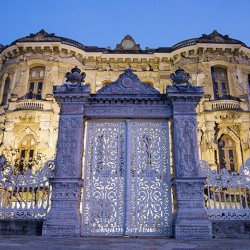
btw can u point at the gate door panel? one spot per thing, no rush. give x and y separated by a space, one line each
149 186
127 178
103 204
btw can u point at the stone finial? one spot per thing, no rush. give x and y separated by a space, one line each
75 77
180 77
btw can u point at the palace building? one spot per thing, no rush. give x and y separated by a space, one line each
32 65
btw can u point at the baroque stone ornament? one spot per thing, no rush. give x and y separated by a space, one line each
75 77
64 217
180 77
190 218
180 80
128 83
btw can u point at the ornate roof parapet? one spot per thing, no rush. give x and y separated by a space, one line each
215 37
40 36
128 83
43 36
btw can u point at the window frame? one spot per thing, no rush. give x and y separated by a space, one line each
35 83
220 83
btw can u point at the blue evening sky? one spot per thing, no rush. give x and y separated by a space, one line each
152 23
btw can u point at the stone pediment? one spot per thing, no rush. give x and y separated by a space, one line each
128 83
128 43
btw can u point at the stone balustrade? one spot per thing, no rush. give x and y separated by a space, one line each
224 105
30 105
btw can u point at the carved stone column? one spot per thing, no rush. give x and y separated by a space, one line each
190 218
64 215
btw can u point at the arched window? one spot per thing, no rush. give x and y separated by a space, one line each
36 79
220 83
226 147
6 91
26 149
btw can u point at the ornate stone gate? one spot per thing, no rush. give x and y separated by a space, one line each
127 178
127 169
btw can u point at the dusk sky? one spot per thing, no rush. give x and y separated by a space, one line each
103 23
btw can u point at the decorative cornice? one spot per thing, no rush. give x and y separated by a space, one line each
128 83
43 36
214 37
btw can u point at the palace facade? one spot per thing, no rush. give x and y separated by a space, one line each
32 65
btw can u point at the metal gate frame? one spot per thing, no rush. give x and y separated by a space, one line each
138 202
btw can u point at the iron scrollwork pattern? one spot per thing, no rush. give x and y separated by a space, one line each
127 178
104 178
149 178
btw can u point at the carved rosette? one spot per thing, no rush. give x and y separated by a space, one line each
64 217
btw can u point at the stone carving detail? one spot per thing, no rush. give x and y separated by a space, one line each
64 213
180 80
190 216
189 191
180 77
131 111
68 144
75 77
188 231
128 83
64 216
76 80
185 145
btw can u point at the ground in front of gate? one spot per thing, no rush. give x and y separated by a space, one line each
121 243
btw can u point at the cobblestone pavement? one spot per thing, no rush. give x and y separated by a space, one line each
121 243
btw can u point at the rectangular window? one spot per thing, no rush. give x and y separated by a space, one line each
216 91
231 160
22 159
222 159
31 155
224 89
31 90
39 91
5 91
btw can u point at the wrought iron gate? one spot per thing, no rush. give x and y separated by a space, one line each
127 178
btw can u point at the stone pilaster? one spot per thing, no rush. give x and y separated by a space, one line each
190 218
64 215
